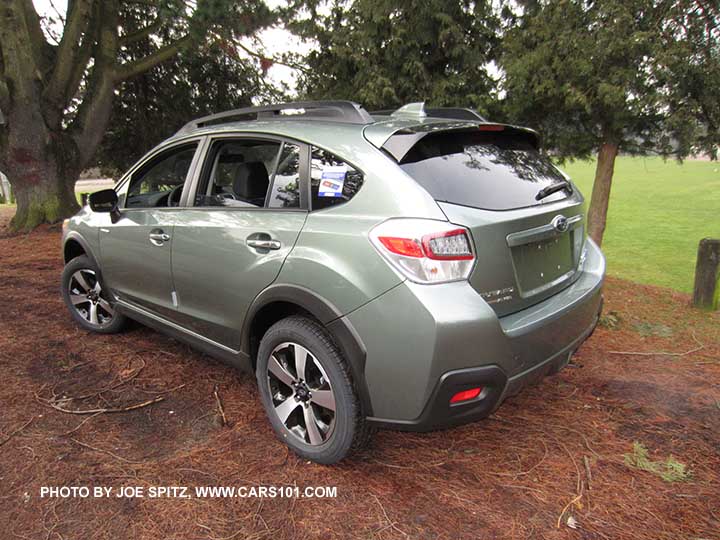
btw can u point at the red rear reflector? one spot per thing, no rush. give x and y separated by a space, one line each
491 127
466 395
402 246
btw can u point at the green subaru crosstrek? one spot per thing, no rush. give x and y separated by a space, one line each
406 269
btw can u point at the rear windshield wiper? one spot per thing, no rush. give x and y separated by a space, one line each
554 188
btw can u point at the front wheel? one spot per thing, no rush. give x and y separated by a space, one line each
85 297
307 391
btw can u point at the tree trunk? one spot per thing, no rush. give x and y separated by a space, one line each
42 168
597 215
43 192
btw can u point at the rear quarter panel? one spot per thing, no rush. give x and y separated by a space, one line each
333 255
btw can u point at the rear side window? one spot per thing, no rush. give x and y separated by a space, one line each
488 170
332 180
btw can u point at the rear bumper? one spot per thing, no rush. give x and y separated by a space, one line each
426 343
497 386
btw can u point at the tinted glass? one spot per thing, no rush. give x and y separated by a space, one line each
484 170
160 183
332 181
237 173
286 185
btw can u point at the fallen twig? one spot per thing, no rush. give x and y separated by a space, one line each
108 452
588 473
663 353
18 430
216 393
573 501
523 473
79 425
106 410
111 387
391 523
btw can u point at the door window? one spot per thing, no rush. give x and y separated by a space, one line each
332 180
237 173
160 182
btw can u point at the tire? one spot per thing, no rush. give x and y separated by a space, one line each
86 298
304 400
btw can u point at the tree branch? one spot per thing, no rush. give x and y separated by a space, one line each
40 47
292 65
89 124
133 37
68 54
132 69
90 40
19 61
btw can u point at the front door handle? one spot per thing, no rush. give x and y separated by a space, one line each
263 243
158 237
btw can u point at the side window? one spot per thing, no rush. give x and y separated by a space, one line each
237 173
160 182
332 181
286 184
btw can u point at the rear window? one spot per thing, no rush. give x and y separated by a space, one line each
488 170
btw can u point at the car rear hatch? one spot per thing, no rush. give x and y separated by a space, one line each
525 217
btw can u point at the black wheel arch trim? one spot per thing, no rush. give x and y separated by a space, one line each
328 315
77 237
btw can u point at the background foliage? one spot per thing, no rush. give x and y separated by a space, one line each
386 53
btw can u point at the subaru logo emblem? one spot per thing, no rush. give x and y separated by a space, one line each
560 223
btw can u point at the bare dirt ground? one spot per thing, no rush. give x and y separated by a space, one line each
553 453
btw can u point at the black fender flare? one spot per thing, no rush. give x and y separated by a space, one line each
77 237
323 310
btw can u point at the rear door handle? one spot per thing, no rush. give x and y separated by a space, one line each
158 237
263 243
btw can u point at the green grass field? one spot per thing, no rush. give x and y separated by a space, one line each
659 211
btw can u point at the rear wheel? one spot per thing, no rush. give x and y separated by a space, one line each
87 300
307 392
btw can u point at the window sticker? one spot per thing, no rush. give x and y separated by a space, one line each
332 180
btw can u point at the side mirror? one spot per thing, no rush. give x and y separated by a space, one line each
103 201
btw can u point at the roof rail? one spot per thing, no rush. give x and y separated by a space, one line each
453 113
329 111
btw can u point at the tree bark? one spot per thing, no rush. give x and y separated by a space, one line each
42 167
597 215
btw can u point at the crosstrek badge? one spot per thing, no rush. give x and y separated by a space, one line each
332 181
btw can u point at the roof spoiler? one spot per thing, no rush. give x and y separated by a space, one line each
329 111
418 110
400 141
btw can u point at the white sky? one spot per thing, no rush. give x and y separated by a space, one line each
271 42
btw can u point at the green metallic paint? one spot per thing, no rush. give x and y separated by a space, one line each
420 332
406 336
216 275
133 268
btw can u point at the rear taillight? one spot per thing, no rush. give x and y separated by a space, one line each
425 251
450 245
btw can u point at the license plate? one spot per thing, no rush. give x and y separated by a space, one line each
540 265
